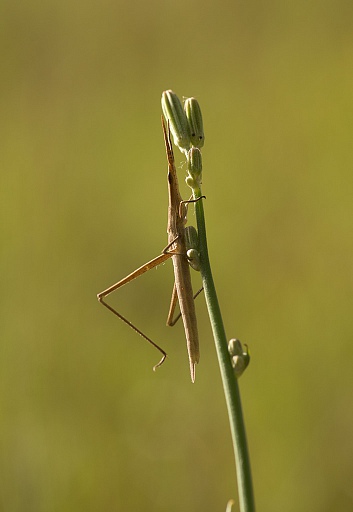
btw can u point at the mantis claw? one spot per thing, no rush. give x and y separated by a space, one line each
160 362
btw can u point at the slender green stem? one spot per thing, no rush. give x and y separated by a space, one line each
187 128
230 382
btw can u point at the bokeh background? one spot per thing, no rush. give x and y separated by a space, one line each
85 423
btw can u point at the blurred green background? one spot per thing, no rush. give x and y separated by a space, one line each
85 423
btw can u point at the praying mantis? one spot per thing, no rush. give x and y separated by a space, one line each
182 248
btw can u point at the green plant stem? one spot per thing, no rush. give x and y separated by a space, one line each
230 382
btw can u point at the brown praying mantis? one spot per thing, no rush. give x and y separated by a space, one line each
182 249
